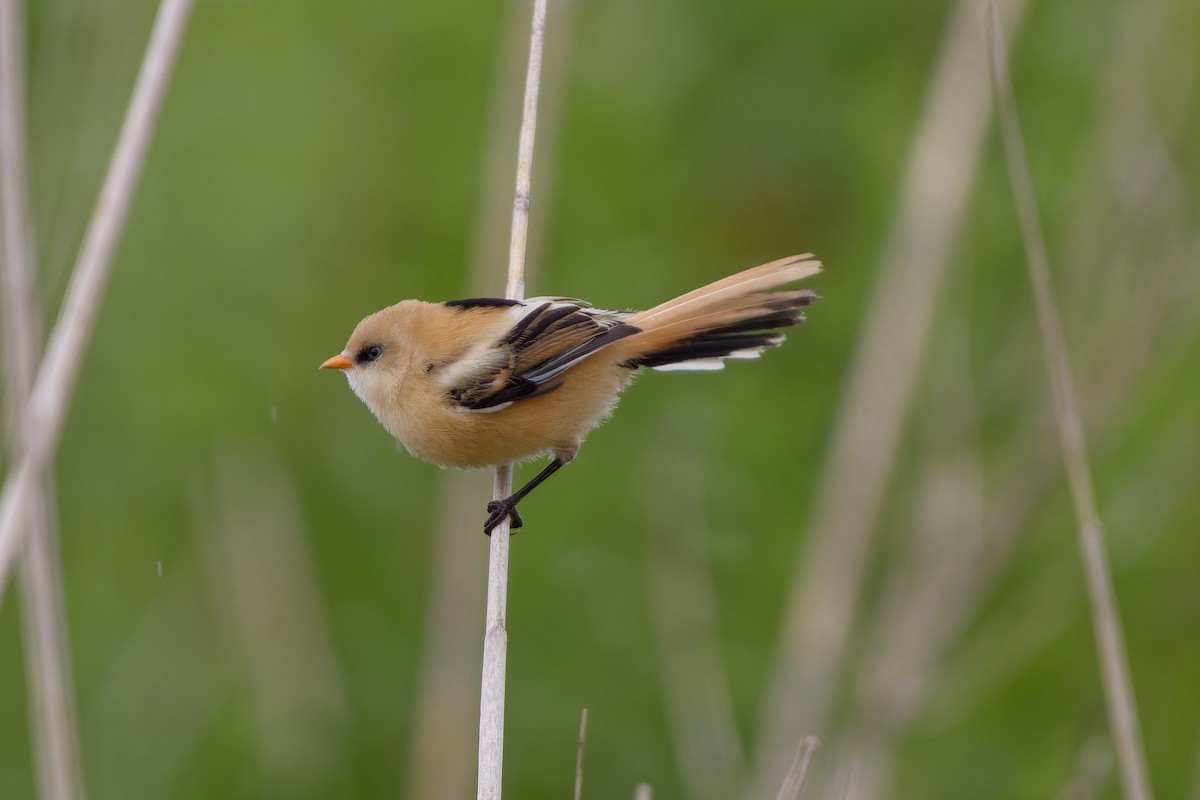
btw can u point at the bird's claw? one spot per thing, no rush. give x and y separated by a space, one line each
497 511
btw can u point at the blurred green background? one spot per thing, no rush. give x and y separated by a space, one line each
267 598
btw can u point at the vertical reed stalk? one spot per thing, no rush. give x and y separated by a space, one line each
495 639
579 754
52 718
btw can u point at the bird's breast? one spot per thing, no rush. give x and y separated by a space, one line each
432 427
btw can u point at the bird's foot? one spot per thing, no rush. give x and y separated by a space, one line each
498 510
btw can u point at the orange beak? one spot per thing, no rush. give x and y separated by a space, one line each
337 362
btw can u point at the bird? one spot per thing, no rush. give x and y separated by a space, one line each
487 381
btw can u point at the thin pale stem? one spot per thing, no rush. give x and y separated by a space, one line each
495 641
447 713
793 784
579 754
52 716
515 287
495 652
21 320
446 718
1110 639
55 382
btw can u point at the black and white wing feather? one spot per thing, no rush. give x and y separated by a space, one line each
547 337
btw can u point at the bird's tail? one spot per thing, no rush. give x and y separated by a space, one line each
737 317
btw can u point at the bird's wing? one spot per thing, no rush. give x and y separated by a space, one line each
547 336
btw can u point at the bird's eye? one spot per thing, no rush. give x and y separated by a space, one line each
370 353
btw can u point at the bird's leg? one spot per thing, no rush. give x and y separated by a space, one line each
499 509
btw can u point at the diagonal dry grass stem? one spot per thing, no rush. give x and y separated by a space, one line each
1110 640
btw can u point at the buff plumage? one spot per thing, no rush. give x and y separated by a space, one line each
485 381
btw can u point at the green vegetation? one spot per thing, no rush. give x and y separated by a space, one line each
315 162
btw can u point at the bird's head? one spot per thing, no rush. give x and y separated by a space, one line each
376 358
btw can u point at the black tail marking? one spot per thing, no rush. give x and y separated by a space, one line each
707 346
754 332
785 318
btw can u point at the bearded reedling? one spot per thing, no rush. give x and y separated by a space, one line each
485 381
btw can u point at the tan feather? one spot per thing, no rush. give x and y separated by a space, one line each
756 279
727 302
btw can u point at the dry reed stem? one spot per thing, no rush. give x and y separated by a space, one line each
928 211
55 382
495 638
21 318
52 707
579 754
52 716
446 719
446 727
495 652
797 775
1111 652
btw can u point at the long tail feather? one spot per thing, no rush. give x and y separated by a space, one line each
736 317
